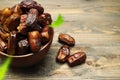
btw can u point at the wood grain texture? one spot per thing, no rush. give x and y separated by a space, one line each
95 25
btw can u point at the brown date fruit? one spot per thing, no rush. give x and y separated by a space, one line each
66 39
22 28
34 39
23 47
11 22
63 54
44 19
4 35
76 59
6 12
36 28
32 18
3 45
26 5
46 34
39 8
16 9
23 18
12 43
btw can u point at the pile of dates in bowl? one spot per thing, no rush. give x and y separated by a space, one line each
25 34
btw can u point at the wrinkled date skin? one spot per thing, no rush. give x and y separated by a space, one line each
66 39
32 18
23 47
11 22
34 40
76 59
12 43
63 54
22 28
26 5
3 45
44 19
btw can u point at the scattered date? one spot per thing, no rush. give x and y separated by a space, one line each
63 54
76 59
66 39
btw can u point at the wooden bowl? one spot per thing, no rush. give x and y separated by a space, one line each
31 58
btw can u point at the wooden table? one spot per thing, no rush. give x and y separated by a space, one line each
95 25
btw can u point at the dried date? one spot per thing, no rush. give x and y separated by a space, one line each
4 35
34 40
22 29
11 22
12 43
26 5
46 34
4 14
16 9
76 59
32 17
23 18
63 54
3 45
23 47
44 19
66 39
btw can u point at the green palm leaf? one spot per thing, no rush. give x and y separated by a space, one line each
57 22
4 68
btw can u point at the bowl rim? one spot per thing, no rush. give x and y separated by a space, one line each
29 54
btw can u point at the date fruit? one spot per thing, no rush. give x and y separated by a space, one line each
63 54
32 17
66 39
76 59
37 28
4 35
44 19
46 34
34 40
16 9
22 29
26 5
12 43
6 12
23 18
23 47
11 22
3 45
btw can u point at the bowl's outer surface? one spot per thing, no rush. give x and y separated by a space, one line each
31 58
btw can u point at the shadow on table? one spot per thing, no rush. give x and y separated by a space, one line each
42 69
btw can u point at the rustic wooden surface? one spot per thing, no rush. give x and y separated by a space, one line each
95 25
